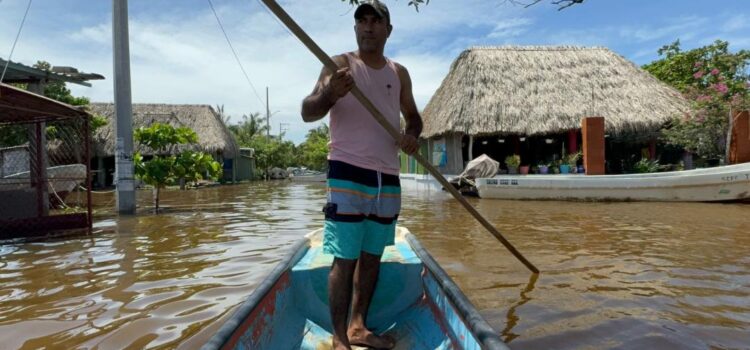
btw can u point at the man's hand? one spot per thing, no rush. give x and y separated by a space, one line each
340 84
408 144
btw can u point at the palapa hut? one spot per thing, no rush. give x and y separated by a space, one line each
213 136
531 100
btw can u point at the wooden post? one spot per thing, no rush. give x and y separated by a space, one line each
592 129
739 149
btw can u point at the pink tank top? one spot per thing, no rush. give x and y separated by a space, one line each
356 138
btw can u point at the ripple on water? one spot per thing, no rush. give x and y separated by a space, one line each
614 275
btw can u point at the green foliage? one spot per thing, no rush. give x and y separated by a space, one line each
271 152
716 82
572 159
513 161
13 135
250 126
160 136
313 153
165 168
646 166
56 90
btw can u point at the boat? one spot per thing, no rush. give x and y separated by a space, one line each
415 302
718 184
61 180
305 175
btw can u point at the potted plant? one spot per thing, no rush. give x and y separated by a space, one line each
524 169
569 161
543 168
512 162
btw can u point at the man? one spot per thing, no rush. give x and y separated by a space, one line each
364 194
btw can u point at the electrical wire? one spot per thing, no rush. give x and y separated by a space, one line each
234 52
18 35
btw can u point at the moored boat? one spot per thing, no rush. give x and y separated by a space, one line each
415 302
725 183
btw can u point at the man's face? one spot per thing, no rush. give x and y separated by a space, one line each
372 32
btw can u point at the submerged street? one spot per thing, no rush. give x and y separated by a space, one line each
613 275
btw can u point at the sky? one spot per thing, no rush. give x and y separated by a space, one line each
179 54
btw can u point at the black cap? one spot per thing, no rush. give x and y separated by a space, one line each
376 6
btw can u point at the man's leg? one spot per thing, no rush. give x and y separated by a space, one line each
365 279
339 299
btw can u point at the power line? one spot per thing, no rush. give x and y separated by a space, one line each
18 35
234 52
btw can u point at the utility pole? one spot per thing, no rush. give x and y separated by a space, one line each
268 116
123 109
283 127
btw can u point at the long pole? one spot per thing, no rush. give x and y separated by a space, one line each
268 116
123 109
328 63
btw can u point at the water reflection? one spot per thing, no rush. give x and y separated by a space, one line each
614 275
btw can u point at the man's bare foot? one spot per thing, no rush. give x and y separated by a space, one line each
339 345
363 337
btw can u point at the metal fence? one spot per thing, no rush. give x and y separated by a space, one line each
45 181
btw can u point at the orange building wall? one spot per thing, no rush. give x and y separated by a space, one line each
592 130
739 149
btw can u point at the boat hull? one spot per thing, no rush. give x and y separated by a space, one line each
727 183
415 302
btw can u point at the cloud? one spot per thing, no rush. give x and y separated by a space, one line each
510 28
736 23
682 27
179 54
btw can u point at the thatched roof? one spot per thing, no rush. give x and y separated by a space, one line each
213 135
539 90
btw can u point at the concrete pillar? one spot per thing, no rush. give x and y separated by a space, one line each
592 129
739 148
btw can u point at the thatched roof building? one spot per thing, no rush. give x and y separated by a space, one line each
213 135
531 90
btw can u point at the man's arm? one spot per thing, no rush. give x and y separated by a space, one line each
408 141
329 88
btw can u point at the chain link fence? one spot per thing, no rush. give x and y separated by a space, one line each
44 176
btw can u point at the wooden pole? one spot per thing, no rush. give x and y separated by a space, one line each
328 63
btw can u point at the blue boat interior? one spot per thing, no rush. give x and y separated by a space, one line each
408 304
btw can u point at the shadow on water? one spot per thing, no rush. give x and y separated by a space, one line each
614 275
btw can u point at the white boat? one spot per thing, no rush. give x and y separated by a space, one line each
725 183
61 180
305 175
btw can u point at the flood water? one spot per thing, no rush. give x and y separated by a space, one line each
613 275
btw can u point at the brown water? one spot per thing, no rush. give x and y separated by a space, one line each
616 275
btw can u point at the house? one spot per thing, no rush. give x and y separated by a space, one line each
532 100
214 137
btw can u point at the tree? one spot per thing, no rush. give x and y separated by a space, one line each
313 153
272 152
14 135
250 126
165 168
716 82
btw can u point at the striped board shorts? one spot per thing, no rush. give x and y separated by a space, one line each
361 212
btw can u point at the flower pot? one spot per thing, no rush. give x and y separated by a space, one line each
524 170
543 169
564 169
512 171
581 170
